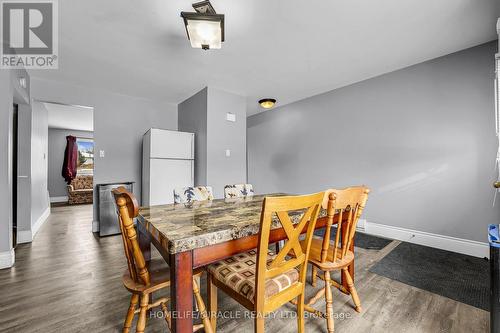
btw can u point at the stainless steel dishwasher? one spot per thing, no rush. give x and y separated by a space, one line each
108 220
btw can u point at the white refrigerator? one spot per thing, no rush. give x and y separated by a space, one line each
167 163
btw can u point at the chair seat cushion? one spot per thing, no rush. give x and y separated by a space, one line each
238 273
315 255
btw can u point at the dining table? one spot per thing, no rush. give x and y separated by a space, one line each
192 235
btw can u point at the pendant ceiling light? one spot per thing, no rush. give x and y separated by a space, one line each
205 28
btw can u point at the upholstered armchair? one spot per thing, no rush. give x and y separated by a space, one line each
81 190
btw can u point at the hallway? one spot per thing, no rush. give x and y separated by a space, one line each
67 280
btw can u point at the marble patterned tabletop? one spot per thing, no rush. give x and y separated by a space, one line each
184 227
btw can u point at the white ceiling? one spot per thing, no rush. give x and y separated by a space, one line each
288 50
79 118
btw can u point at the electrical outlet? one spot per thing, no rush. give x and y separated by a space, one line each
228 153
101 153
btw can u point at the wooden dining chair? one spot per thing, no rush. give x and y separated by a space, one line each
238 191
141 278
260 280
329 256
193 193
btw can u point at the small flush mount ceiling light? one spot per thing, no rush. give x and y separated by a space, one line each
267 103
205 28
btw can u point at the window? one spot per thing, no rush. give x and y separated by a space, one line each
85 163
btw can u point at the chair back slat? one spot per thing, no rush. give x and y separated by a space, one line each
305 209
128 209
128 254
352 227
338 236
326 240
348 203
348 224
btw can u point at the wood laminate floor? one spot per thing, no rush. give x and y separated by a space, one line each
69 280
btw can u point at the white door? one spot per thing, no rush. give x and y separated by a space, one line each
165 176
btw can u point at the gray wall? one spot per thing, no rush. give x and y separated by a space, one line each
57 145
119 124
192 118
205 115
423 138
222 135
39 162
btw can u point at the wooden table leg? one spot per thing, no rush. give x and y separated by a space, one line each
144 242
181 291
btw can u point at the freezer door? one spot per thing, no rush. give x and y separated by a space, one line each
171 144
108 219
167 175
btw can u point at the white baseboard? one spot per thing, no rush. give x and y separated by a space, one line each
7 259
59 199
24 236
460 245
27 236
95 226
41 220
361 226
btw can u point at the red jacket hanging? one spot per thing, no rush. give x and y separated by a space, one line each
70 159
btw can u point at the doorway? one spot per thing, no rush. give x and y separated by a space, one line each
76 124
42 132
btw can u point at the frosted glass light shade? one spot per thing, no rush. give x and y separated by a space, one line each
205 31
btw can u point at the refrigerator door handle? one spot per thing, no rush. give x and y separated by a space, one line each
192 146
192 173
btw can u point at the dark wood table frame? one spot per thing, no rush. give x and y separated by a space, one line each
182 265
